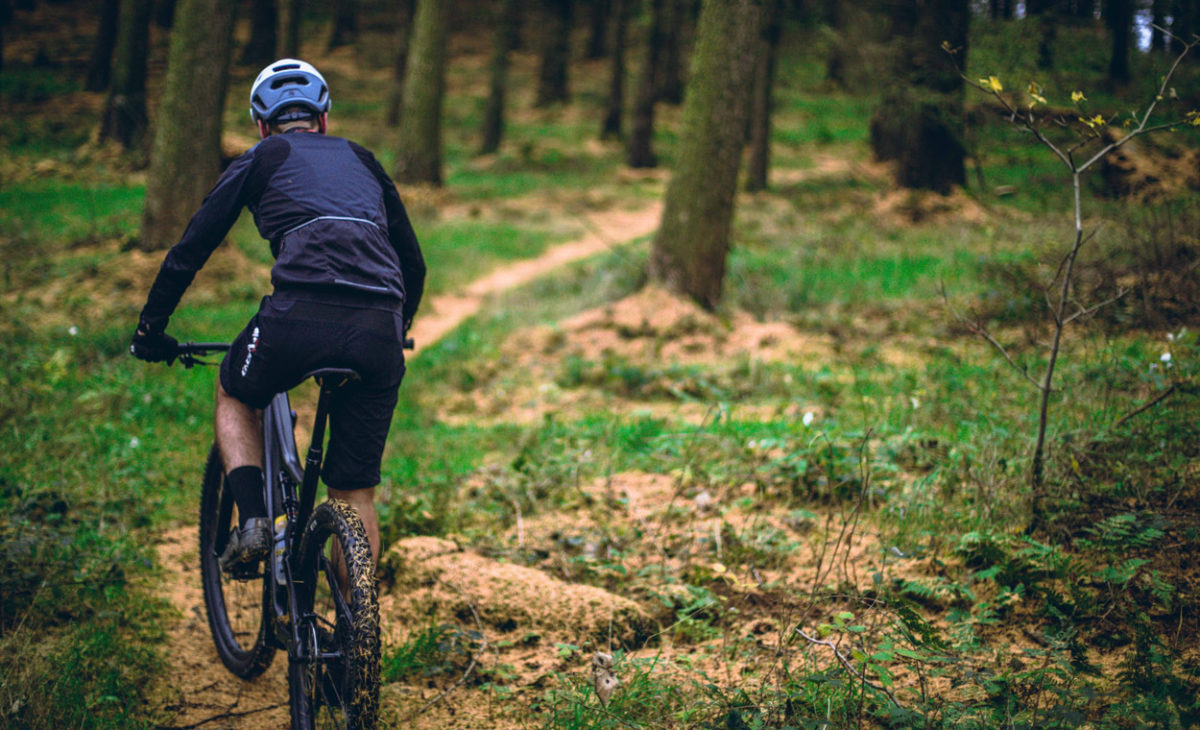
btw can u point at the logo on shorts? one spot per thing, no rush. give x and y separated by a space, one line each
250 351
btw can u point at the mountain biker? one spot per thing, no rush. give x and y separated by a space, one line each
347 278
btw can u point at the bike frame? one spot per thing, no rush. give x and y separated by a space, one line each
283 475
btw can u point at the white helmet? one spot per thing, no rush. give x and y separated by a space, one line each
285 83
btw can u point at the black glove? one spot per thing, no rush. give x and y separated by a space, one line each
153 346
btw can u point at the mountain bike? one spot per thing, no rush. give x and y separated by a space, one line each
294 600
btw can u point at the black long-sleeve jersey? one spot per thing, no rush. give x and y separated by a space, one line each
333 218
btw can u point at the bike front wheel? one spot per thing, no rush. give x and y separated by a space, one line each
237 605
334 682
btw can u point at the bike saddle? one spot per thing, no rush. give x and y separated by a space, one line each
334 377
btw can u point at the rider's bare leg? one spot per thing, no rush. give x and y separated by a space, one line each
239 432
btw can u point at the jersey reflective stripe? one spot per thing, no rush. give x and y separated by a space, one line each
330 218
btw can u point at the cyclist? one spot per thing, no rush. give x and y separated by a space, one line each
347 280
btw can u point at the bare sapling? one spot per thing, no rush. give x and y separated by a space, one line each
1087 146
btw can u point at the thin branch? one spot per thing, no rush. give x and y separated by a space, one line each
1147 405
225 715
978 329
849 666
1095 307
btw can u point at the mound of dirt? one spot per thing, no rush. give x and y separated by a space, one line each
436 578
1147 170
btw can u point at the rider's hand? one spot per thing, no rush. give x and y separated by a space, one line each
153 346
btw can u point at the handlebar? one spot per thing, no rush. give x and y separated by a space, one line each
189 354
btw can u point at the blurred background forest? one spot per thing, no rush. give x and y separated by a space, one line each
767 346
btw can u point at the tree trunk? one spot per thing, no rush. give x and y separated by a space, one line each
1044 13
186 157
760 110
670 71
1158 19
419 159
403 37
689 251
502 45
555 45
345 24
260 49
1183 24
920 121
100 63
5 19
599 12
124 117
290 13
164 14
640 152
611 126
1119 14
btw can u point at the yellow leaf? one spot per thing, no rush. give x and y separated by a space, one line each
1077 96
994 84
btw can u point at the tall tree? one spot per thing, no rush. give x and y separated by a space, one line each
164 13
1119 15
1158 19
100 63
1184 17
640 150
669 80
554 41
920 120
760 106
260 48
504 41
185 159
124 117
611 126
599 12
345 23
290 13
1044 13
419 159
405 9
692 243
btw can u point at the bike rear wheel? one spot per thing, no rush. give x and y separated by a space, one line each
237 606
335 683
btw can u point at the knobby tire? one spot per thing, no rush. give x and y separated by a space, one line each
342 692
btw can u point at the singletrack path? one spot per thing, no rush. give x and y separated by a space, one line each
196 691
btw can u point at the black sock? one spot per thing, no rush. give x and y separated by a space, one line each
246 483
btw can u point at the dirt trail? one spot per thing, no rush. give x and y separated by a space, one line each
608 228
196 690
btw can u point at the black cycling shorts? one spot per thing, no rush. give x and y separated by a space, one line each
290 337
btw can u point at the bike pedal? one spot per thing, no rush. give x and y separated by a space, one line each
245 571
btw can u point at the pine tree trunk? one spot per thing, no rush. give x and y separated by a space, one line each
124 117
164 14
555 44
345 24
290 13
405 9
599 12
760 109
640 151
186 157
692 243
502 45
1119 14
1044 13
100 63
611 126
920 121
419 159
670 71
5 19
260 49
